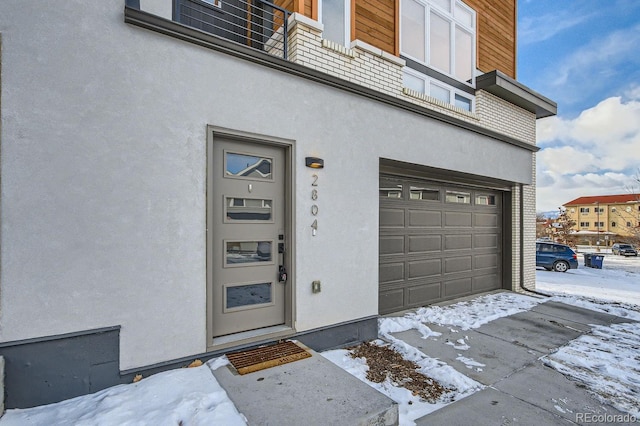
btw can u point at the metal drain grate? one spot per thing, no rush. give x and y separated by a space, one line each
266 357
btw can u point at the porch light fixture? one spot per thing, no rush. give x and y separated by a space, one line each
314 162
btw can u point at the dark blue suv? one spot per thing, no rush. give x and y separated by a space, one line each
557 257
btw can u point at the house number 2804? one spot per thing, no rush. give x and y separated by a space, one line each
314 208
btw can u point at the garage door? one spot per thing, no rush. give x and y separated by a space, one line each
437 242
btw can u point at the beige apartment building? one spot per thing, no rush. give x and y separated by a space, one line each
605 218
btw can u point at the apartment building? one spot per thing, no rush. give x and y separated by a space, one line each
605 219
183 178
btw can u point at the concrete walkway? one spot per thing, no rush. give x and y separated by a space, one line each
520 389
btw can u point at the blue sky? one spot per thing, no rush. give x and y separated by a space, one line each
584 55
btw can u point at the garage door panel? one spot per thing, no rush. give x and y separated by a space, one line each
458 242
481 241
391 218
391 272
437 248
425 268
391 300
391 245
425 218
483 261
423 294
453 265
486 283
454 288
454 219
424 243
486 220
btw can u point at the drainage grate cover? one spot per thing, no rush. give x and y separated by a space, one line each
266 357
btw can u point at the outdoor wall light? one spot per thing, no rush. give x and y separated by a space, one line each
314 162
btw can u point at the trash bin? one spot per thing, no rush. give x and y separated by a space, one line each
587 259
596 261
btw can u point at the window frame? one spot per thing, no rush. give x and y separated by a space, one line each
347 22
454 24
453 91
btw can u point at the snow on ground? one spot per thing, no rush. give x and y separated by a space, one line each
410 407
464 315
605 360
186 396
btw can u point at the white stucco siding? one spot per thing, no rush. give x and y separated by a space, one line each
104 165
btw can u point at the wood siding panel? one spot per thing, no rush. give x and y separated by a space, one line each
496 35
285 4
375 23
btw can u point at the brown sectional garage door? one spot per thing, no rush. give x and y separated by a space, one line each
437 242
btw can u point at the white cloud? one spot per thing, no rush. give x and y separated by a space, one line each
633 92
596 153
599 58
544 27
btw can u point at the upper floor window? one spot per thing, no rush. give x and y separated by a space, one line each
584 209
335 17
440 34
436 89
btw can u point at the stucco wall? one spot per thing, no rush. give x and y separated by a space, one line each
103 177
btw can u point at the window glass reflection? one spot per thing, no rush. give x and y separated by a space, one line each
391 190
485 200
248 209
248 252
241 165
458 197
251 294
420 193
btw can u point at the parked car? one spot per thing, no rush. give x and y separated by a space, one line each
624 249
556 257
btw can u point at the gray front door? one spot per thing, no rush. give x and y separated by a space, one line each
247 227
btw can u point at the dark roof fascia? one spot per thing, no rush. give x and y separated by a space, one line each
164 26
505 87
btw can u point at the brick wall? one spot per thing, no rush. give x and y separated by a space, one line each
504 117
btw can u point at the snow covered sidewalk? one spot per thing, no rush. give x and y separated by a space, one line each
493 351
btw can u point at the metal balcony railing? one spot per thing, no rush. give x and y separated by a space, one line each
255 23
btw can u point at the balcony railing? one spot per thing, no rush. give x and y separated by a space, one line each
258 24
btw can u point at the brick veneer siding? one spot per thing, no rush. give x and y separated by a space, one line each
505 117
371 67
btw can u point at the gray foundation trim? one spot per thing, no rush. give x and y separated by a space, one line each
320 339
173 29
50 369
342 335
1 386
54 368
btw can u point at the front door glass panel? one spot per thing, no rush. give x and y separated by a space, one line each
247 209
244 252
248 166
248 295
